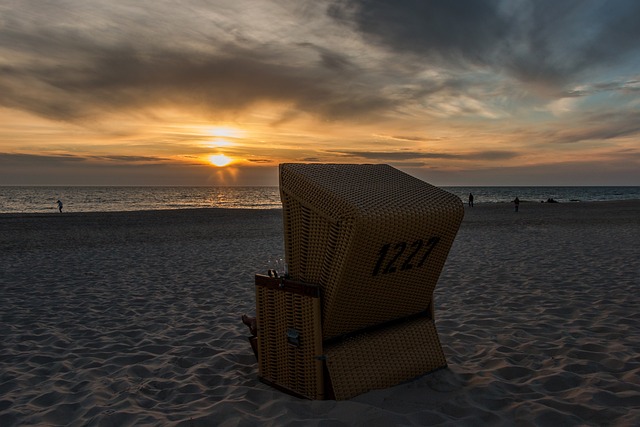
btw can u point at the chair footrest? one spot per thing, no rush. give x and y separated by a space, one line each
384 357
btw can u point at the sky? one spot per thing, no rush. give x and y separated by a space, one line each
465 92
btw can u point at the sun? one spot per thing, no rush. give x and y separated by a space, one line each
225 132
219 160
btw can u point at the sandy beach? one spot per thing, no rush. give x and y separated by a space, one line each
133 318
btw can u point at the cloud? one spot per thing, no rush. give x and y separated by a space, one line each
546 42
14 159
419 155
17 159
129 159
123 79
64 72
626 86
446 30
563 106
599 127
260 161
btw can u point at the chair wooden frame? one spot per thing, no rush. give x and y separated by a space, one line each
365 246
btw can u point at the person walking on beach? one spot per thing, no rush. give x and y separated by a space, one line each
470 200
59 205
516 203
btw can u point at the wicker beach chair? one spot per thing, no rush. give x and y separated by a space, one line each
365 245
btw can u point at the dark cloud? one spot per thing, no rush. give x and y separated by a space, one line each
623 87
417 155
545 41
397 155
491 155
17 159
460 29
73 78
123 79
35 159
333 60
599 127
129 159
216 84
626 153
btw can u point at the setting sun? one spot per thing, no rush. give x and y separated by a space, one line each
219 160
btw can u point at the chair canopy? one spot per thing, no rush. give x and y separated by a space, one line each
374 238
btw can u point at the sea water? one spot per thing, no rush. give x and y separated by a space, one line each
31 199
111 199
539 194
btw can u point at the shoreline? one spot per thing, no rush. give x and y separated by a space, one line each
131 198
54 211
124 318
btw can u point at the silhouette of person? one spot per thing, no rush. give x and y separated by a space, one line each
59 205
516 203
470 200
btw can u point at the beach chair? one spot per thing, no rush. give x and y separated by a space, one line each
365 245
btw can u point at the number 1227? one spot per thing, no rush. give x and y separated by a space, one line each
392 260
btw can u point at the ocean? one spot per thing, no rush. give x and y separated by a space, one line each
31 199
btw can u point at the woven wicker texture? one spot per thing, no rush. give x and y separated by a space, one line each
374 238
384 358
281 316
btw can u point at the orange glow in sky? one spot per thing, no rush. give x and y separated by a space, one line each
145 93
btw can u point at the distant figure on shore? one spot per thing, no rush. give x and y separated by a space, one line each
59 205
516 203
470 200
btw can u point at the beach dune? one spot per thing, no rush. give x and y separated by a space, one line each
133 318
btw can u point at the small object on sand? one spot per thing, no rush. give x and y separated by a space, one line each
251 323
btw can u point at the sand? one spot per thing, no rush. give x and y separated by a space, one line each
133 318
